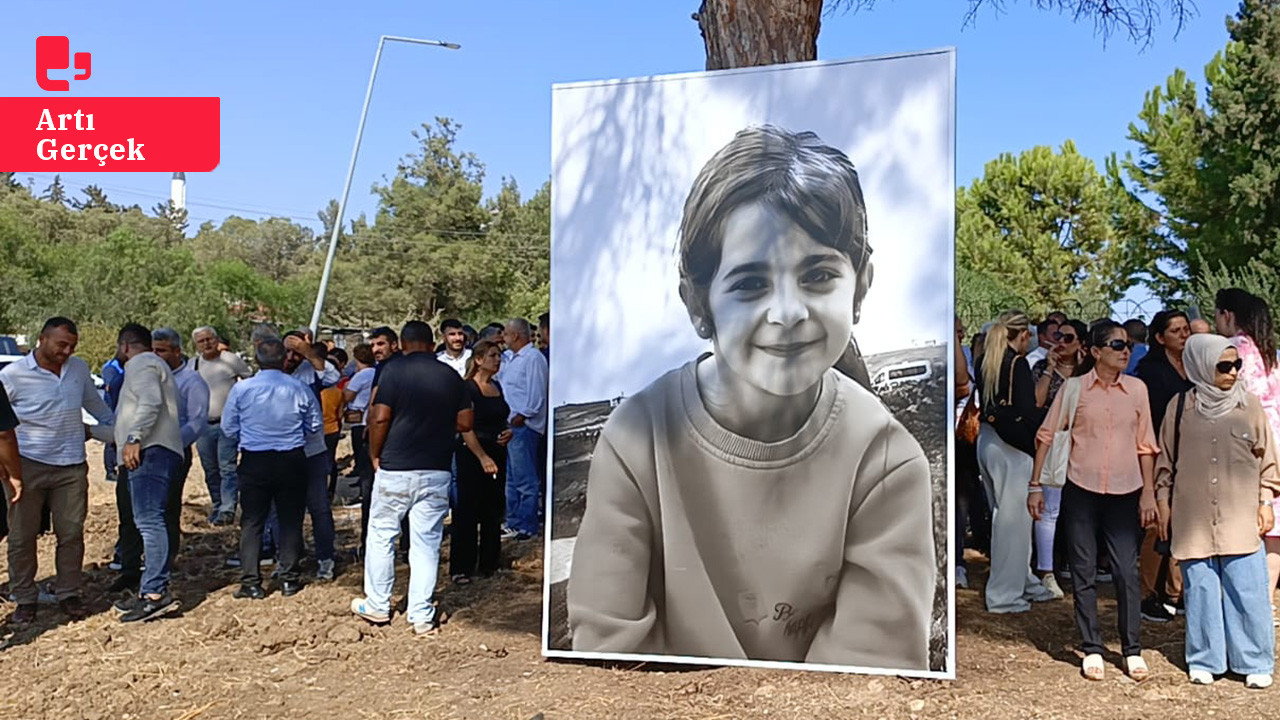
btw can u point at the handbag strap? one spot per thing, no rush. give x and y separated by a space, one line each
1177 438
1072 388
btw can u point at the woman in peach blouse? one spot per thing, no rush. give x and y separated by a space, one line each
1110 490
1246 320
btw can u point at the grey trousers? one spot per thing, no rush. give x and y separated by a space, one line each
1006 471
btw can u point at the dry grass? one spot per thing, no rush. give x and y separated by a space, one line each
306 656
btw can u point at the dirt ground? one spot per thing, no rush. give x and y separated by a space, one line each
307 656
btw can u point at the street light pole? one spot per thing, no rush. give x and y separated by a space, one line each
351 170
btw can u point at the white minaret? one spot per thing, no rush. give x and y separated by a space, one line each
178 190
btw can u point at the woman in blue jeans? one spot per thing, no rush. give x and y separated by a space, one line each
1215 479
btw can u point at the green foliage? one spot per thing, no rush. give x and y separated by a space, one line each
1214 170
1046 231
1254 276
437 247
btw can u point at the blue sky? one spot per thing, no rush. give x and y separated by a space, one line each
292 76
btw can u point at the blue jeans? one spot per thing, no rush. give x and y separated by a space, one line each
318 505
149 492
218 458
423 495
1229 614
523 510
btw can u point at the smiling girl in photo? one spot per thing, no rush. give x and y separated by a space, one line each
758 503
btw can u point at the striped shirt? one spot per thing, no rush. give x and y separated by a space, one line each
48 406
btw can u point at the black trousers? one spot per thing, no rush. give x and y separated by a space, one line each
128 539
1084 516
481 503
331 446
173 505
268 477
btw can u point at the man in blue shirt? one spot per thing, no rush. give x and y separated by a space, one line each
524 382
268 416
112 381
1137 331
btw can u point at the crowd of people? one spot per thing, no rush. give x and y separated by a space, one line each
1139 455
442 428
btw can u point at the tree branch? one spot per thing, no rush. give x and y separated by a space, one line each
1136 18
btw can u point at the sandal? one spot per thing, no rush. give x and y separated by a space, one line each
1136 668
1092 667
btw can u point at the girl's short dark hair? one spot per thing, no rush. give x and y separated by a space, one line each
815 185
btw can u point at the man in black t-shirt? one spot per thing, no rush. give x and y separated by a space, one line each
10 463
420 405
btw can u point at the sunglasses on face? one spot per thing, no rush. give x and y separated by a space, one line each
1226 366
1064 337
1120 345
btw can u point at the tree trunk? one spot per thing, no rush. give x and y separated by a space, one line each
744 33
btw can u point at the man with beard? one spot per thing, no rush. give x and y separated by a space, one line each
148 436
47 389
455 353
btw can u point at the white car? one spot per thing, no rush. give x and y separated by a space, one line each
917 371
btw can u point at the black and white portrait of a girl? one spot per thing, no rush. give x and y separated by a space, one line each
757 500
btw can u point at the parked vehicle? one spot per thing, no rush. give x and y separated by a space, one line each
908 372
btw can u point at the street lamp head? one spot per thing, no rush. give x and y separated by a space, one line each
453 46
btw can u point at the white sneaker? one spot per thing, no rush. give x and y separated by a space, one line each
962 578
426 628
1040 593
360 607
1051 584
1200 677
509 534
1257 682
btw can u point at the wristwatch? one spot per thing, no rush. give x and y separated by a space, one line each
132 439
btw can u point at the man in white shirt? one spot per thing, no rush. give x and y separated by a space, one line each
221 370
1045 337
47 389
455 353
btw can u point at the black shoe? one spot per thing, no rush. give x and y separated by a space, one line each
289 588
23 615
145 608
250 592
1180 607
1153 610
125 604
73 608
125 582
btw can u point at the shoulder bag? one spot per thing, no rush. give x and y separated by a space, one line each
1165 547
1054 472
1013 428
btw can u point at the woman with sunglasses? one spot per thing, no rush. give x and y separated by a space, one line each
1109 492
1163 372
1217 467
1050 373
1245 319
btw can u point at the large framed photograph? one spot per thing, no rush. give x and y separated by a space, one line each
752 284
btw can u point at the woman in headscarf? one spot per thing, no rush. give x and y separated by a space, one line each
1216 477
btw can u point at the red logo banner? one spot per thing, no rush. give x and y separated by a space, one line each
109 134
